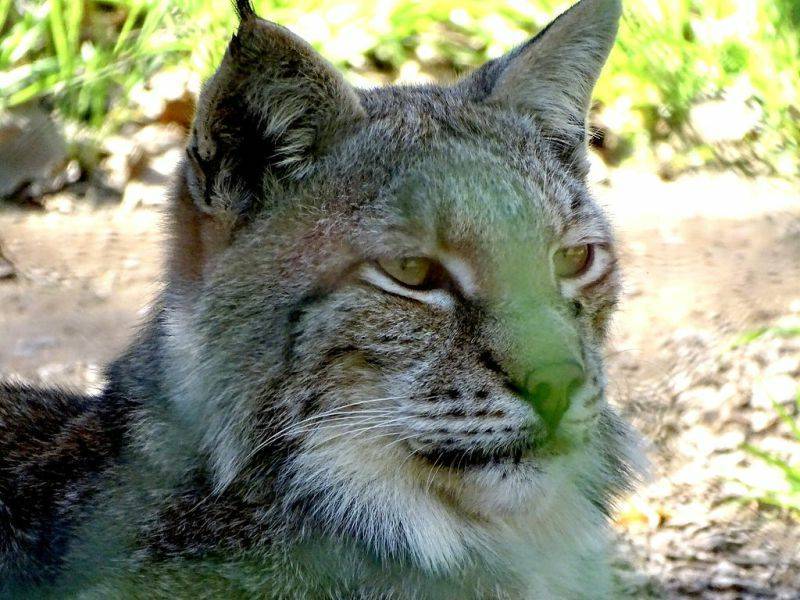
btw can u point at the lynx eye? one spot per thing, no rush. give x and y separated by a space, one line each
411 271
573 261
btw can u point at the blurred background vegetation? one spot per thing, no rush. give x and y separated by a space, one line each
96 96
691 83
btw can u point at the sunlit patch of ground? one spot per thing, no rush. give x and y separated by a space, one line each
707 258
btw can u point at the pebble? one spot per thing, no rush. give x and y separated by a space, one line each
7 270
785 365
778 389
730 439
718 403
761 420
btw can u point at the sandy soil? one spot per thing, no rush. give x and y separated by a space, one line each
710 254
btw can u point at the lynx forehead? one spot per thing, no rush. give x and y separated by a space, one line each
376 369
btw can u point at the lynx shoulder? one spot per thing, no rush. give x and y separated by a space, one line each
376 368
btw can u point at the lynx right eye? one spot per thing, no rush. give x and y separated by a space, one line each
411 271
573 261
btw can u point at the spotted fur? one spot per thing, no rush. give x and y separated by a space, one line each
294 423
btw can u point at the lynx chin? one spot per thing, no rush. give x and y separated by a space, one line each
375 370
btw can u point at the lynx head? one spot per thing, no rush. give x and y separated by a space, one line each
387 307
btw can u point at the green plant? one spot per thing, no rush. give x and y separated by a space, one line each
750 336
788 499
672 54
86 56
83 56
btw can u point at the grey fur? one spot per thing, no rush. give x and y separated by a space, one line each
293 424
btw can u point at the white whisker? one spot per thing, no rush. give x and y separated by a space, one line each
305 425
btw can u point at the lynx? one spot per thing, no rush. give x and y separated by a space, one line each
376 367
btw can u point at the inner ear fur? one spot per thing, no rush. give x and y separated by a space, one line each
552 76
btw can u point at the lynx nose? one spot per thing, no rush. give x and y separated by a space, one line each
549 389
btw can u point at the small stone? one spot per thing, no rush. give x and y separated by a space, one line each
680 382
691 474
166 163
731 488
778 389
753 557
7 270
131 262
62 203
760 476
664 152
725 512
699 440
730 439
411 72
788 321
737 584
169 97
142 193
147 101
32 148
724 568
761 420
705 397
690 416
157 138
785 447
691 583
31 347
733 395
715 542
688 514
785 365
724 463
124 161
119 145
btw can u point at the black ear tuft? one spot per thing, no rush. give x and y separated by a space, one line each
245 10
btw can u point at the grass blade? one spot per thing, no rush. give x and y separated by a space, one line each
792 473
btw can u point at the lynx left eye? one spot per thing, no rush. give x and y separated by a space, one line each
573 261
411 271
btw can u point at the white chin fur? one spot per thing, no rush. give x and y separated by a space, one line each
496 491
534 488
447 523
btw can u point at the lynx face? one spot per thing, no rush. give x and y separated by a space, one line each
390 304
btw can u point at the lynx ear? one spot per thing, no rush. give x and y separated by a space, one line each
551 77
270 109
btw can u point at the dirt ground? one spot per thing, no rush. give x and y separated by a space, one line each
706 258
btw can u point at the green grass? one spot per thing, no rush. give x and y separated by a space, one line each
788 499
750 336
82 58
85 56
672 54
